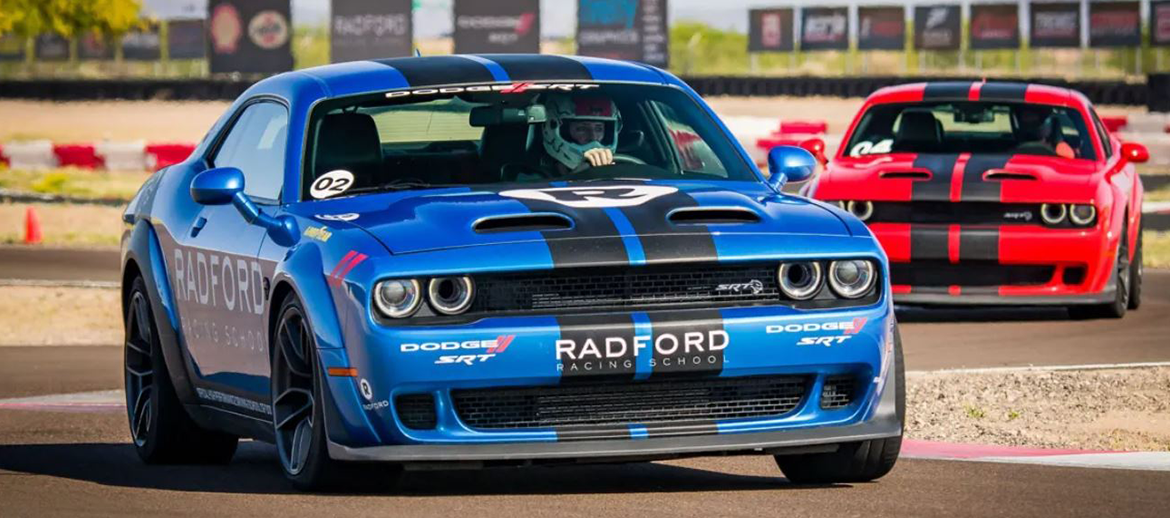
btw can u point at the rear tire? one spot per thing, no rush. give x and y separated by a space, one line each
1124 273
160 428
853 462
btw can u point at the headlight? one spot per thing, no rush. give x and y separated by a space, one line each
851 279
1082 215
800 281
398 298
843 204
862 209
451 295
1053 213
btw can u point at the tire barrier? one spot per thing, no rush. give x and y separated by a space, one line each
39 155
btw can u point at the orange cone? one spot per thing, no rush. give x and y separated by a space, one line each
32 227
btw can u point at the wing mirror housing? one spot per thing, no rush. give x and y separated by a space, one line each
1134 152
789 163
816 146
224 185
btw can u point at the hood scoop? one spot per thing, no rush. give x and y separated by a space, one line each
534 222
909 175
1004 174
712 216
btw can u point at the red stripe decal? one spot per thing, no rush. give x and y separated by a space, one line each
953 243
973 94
957 177
357 259
340 264
502 342
955 291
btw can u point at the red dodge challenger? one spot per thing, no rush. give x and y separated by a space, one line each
994 193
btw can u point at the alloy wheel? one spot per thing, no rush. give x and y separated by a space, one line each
139 361
292 383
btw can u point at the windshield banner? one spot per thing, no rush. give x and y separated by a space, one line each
370 29
623 29
824 28
1056 25
995 27
250 36
881 28
1115 24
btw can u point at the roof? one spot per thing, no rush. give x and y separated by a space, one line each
977 90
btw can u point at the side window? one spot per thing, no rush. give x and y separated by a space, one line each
692 149
1106 142
255 145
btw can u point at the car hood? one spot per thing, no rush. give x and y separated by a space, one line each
586 220
966 177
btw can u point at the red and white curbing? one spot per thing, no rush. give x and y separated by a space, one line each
37 155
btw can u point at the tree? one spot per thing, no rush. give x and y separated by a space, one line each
68 17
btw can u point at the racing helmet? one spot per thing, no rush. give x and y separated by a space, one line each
563 110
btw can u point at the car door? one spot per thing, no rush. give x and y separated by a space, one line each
220 286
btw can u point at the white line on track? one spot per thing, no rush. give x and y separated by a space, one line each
1045 368
39 283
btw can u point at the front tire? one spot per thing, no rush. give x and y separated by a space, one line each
853 462
1137 271
1124 273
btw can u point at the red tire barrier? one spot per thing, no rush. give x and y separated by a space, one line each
3 157
166 155
78 155
1114 123
804 127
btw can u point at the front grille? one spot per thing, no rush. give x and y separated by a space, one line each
838 392
647 402
965 213
416 411
597 288
971 273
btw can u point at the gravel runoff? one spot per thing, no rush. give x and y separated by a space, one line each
1116 409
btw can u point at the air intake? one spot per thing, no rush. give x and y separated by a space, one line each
1002 174
712 216
536 222
416 411
908 175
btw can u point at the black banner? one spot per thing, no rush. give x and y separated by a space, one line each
770 30
824 28
185 39
881 28
624 29
937 27
51 47
1160 23
370 29
497 26
143 44
11 48
995 26
1115 24
249 36
94 46
1056 25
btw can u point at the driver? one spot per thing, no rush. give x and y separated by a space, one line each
580 132
1040 126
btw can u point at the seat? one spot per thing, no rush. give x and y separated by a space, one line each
349 141
918 131
501 145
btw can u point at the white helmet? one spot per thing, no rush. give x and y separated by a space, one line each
561 110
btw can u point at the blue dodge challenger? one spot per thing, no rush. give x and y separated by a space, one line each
500 260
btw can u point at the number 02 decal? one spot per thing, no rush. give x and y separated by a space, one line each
331 184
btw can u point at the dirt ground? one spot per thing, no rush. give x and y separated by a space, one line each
62 224
59 316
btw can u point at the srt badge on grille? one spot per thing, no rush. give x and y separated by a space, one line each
754 287
1023 215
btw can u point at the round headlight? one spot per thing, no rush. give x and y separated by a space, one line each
451 295
398 298
1053 213
800 281
862 209
851 279
1082 215
843 204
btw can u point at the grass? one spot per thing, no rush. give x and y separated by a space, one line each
1162 194
974 412
83 183
1156 249
1151 169
64 224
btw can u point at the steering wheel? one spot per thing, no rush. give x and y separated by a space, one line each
628 159
511 172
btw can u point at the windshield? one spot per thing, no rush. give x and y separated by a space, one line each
490 134
971 127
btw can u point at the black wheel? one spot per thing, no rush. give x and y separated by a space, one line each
858 461
162 431
1125 276
1136 273
298 413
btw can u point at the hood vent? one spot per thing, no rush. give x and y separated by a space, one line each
712 216
1004 174
535 222
910 175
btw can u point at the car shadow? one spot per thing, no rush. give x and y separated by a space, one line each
912 314
254 471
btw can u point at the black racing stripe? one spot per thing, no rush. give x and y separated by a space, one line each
592 432
682 343
932 290
440 70
593 347
543 67
664 242
980 290
938 188
974 187
947 90
929 242
1003 92
978 244
594 240
676 429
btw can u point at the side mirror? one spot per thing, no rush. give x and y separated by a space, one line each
1134 152
217 186
789 163
816 146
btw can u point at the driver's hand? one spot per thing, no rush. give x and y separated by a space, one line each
599 157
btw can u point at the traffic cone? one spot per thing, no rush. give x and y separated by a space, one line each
32 227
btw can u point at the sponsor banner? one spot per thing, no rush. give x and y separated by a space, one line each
995 26
937 27
185 39
51 47
1160 22
11 48
1056 25
1115 24
881 28
370 29
623 29
824 28
94 46
144 44
771 30
249 36
498 26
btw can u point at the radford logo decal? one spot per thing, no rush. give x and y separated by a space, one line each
594 197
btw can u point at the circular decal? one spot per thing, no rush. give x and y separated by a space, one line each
225 29
268 29
331 184
594 197
367 391
349 216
